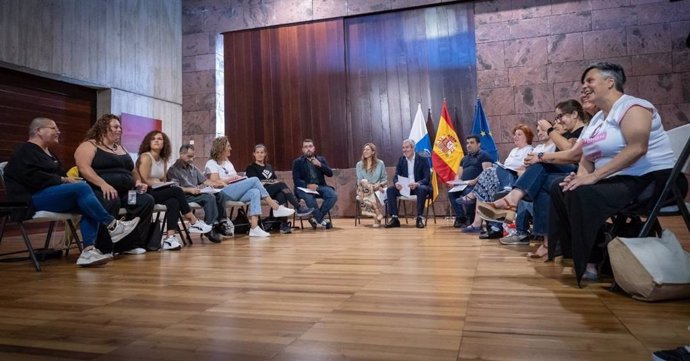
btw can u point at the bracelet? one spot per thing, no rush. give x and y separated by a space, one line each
548 131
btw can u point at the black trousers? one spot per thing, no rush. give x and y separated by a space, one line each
142 209
577 216
174 200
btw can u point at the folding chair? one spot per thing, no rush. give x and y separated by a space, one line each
6 211
402 200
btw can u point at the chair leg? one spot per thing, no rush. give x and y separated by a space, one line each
29 247
188 239
74 238
404 206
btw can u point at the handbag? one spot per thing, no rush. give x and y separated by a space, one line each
651 268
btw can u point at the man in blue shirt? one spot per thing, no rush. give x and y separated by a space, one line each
472 164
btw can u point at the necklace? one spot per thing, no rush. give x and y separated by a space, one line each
112 149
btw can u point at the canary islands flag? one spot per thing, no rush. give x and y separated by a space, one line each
447 151
420 135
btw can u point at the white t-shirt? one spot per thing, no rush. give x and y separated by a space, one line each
516 158
544 148
224 170
603 139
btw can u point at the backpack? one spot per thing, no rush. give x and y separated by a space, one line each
241 222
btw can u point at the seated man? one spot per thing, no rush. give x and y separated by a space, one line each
472 164
308 173
191 179
417 170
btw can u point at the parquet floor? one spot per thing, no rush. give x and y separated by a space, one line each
351 293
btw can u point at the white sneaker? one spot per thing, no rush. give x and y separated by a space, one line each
171 243
137 250
200 227
283 211
258 232
92 257
122 229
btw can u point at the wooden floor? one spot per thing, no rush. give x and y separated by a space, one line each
351 293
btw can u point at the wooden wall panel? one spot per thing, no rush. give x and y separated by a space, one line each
285 84
346 82
24 97
398 59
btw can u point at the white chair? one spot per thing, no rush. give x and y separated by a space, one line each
8 208
403 200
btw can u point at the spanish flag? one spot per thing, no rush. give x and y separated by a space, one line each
447 149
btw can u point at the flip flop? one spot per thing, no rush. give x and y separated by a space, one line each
472 229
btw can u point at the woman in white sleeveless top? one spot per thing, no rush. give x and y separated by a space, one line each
625 149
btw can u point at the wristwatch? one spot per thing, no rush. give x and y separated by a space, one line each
540 155
548 131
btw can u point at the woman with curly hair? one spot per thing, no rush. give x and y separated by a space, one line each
154 153
105 164
222 173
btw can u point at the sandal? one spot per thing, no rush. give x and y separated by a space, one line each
491 212
539 253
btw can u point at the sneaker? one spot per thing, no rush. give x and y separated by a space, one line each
304 211
678 354
137 250
258 232
285 228
394 222
420 222
313 222
200 227
122 228
516 239
213 237
283 211
92 257
326 224
171 243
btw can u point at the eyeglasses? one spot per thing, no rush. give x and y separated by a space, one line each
55 128
558 117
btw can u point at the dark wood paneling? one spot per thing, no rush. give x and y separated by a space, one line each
399 59
347 82
285 84
24 97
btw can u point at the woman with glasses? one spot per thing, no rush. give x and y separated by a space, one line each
107 167
221 173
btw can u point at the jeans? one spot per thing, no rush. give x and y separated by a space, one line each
329 199
460 210
524 213
248 190
213 205
536 183
77 198
392 194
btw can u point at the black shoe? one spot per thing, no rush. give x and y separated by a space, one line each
490 235
285 228
459 222
327 224
394 222
225 228
679 354
313 222
213 236
420 222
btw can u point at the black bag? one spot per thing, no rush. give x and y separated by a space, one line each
155 237
241 222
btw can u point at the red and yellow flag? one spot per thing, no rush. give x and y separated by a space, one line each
447 149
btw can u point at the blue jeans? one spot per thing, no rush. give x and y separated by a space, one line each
536 183
249 190
329 199
524 212
460 210
75 198
213 205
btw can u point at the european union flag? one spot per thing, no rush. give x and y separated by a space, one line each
481 128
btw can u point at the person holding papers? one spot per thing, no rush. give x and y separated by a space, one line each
277 190
200 190
371 179
221 173
471 165
308 172
154 153
412 176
